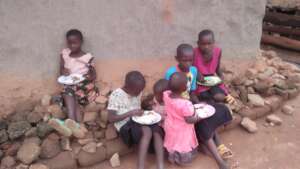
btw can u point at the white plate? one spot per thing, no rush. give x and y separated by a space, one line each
71 79
148 118
204 110
210 81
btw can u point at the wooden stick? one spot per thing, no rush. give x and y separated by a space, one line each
281 42
281 30
282 19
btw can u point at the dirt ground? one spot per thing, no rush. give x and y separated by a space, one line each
270 148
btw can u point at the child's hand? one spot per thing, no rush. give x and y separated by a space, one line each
137 112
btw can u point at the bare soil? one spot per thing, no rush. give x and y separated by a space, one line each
270 148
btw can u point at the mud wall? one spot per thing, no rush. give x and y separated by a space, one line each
122 34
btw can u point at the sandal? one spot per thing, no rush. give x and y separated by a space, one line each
225 152
60 127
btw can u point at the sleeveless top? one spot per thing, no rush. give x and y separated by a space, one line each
207 68
76 65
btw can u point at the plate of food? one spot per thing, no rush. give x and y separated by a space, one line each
210 81
204 110
72 79
148 118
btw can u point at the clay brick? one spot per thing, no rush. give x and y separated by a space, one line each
87 159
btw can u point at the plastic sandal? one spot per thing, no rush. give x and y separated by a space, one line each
225 152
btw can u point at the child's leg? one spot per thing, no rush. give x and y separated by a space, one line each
143 146
159 150
213 149
78 114
217 140
71 105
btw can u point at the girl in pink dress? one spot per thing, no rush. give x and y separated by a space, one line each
207 61
180 137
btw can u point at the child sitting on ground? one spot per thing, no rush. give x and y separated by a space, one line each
180 138
75 61
207 61
124 103
184 57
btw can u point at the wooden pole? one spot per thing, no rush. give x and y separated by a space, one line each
281 42
281 30
282 19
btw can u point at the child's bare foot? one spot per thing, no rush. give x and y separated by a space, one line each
59 126
77 130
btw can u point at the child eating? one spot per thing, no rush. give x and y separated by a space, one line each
180 137
184 57
124 103
207 61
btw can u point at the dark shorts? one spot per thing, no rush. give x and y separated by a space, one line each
131 133
209 94
205 128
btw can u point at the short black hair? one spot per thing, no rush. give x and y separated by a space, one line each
134 78
176 81
75 32
206 32
160 86
183 48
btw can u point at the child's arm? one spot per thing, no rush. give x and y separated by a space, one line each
92 71
192 119
63 70
113 117
219 72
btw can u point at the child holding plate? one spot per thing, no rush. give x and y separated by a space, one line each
76 65
124 105
207 61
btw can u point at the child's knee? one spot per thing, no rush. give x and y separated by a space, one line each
219 97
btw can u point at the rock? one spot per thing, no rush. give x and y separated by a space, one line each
261 87
1 154
43 129
270 54
287 109
243 94
18 129
260 66
3 125
246 112
50 147
25 106
117 146
90 147
115 160
64 160
22 166
34 117
256 100
274 119
236 120
35 140
237 81
85 141
111 132
31 132
101 99
249 125
249 82
104 116
56 111
293 93
262 111
274 102
250 90
65 144
17 117
99 134
38 166
29 152
87 159
3 136
90 116
105 91
269 71
46 100
7 162
40 109
13 149
251 73
295 77
76 148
